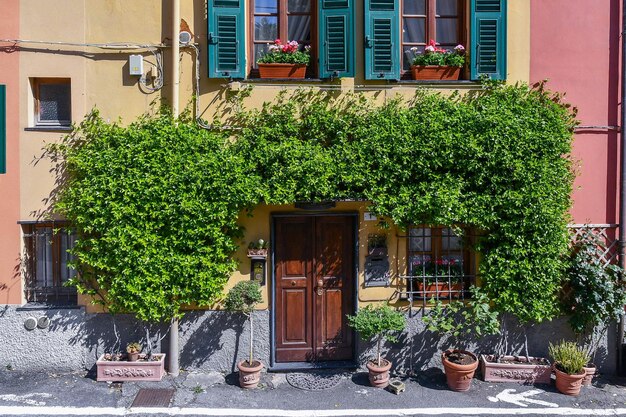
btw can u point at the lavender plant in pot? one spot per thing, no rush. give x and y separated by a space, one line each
377 323
243 297
569 361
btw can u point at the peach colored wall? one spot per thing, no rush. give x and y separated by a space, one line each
575 45
10 283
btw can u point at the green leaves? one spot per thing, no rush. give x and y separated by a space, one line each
243 297
381 321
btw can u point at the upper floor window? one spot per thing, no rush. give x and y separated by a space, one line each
280 19
390 29
423 20
46 264
53 103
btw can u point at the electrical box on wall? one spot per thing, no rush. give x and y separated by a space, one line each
135 63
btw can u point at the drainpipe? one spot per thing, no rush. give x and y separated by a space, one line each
173 363
622 194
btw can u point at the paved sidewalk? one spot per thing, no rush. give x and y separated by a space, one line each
218 395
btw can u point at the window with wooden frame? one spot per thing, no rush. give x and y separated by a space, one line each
287 20
440 20
46 264
439 265
53 103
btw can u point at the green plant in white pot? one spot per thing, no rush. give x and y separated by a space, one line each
243 297
378 323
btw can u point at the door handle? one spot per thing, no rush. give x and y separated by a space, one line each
320 286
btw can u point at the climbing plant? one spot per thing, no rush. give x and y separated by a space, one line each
157 201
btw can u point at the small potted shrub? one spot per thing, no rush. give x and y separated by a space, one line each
594 295
133 349
459 319
377 323
284 60
437 63
243 297
569 360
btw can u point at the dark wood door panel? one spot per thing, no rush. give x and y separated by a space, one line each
314 272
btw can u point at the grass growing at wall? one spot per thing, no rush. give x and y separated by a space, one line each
157 201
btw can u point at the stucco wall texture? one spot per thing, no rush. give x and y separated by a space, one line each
575 45
217 340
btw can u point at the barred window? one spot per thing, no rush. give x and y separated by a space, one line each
439 266
46 264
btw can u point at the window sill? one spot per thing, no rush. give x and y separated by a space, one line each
282 80
49 129
464 83
44 307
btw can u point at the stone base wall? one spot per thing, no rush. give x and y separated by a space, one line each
217 340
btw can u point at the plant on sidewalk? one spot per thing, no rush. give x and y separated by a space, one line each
569 362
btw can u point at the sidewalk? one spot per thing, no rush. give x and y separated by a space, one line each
218 395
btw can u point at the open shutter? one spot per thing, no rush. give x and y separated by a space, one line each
336 38
227 55
488 46
3 129
382 40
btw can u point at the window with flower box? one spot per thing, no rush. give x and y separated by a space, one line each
439 265
391 28
46 264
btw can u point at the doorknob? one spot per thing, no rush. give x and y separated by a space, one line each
320 286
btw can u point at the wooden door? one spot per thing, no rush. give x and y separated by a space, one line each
314 271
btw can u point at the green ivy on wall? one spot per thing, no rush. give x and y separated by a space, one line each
157 201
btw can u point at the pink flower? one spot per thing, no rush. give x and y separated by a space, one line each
429 49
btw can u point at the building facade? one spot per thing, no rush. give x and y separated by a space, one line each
59 64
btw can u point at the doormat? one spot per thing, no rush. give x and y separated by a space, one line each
148 397
315 380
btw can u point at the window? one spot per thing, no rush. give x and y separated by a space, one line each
390 29
52 99
438 264
423 20
281 19
46 264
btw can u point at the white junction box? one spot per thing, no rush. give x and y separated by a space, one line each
135 63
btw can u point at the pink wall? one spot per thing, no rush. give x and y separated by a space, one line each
10 282
575 45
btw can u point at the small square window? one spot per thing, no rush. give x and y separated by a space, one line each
53 104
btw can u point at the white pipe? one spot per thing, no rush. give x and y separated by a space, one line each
175 56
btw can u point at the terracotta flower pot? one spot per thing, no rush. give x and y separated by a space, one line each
379 375
459 377
440 289
249 376
568 384
435 72
590 371
133 357
282 70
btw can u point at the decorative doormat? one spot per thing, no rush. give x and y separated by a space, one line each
148 397
315 380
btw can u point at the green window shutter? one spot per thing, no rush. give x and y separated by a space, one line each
336 38
382 40
3 129
227 49
488 44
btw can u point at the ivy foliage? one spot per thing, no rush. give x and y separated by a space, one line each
156 202
155 205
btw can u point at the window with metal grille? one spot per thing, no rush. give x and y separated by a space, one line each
46 264
439 266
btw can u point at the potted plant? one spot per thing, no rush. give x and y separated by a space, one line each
258 249
437 63
459 319
569 360
594 294
284 60
243 297
147 367
133 349
377 323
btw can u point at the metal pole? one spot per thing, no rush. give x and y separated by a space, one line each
622 194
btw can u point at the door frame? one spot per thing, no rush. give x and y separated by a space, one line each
274 366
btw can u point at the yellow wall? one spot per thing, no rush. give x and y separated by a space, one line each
100 79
